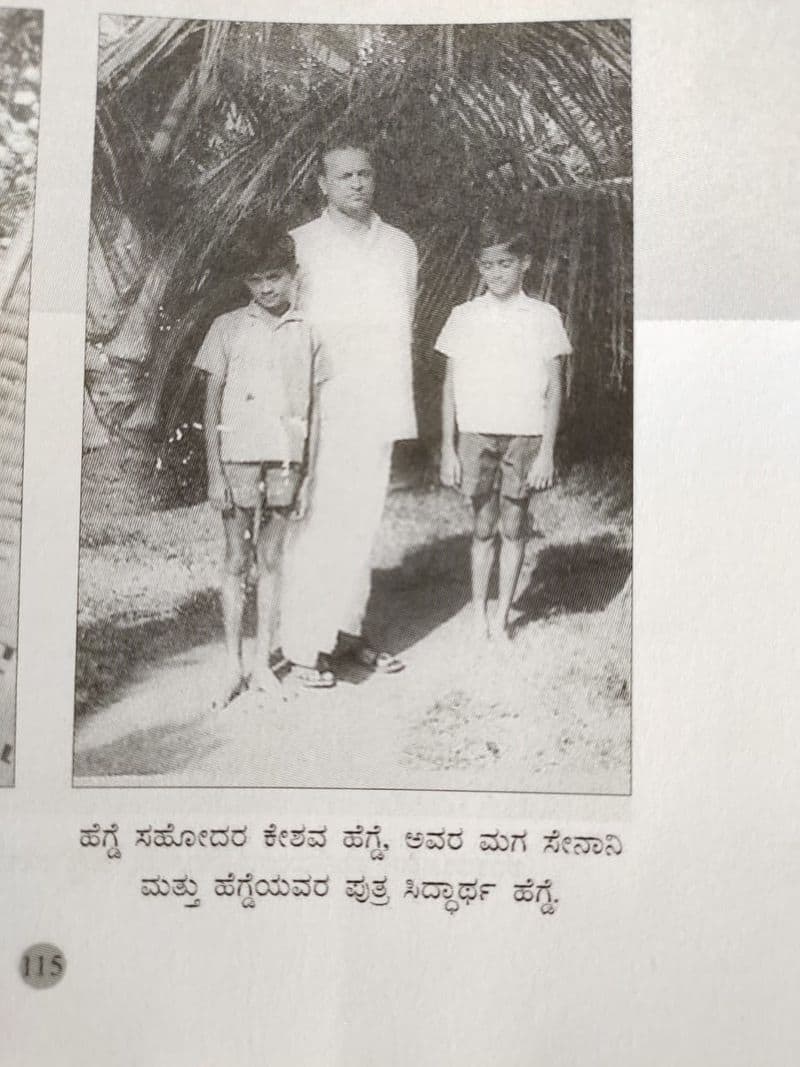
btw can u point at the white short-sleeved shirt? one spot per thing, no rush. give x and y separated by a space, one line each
358 290
500 351
269 366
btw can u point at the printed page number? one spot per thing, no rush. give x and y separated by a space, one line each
42 966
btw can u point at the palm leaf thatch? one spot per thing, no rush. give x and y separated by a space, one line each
14 290
203 127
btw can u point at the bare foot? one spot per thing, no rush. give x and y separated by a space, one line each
480 625
232 686
499 632
262 680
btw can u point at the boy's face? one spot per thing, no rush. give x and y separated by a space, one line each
348 182
271 289
502 270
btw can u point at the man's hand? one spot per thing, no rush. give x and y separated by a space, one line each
300 509
219 492
450 467
542 474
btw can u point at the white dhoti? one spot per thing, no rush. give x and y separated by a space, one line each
327 567
357 290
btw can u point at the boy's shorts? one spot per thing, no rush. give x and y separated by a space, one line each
496 463
273 485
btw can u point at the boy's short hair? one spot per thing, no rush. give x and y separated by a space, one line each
264 247
494 231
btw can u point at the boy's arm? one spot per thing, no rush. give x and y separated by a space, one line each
542 472
219 493
413 279
450 465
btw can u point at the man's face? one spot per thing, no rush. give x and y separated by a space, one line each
271 289
348 182
502 270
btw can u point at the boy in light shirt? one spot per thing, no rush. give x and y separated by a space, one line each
502 399
264 370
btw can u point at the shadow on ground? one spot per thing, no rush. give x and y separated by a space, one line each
111 652
429 587
584 576
408 603
166 749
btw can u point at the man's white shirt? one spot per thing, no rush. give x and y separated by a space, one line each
358 290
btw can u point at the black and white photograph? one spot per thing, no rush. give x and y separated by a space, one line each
356 487
20 62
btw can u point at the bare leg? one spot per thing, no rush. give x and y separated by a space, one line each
236 524
513 514
484 552
269 557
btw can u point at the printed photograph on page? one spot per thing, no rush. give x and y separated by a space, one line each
356 504
20 61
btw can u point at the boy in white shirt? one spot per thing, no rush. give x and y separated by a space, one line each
502 396
264 370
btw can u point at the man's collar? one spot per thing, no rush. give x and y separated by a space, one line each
375 222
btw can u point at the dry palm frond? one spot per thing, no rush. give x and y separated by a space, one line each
463 118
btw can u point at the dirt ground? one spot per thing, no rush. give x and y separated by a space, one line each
550 713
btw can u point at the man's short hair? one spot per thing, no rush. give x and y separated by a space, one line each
264 247
338 141
495 230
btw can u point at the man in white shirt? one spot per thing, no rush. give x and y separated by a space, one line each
357 286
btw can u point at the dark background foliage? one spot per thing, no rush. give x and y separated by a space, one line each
204 127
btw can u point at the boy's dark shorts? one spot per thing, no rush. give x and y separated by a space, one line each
496 463
273 485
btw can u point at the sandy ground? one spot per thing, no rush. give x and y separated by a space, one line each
550 713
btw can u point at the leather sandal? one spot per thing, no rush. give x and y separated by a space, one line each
319 677
375 660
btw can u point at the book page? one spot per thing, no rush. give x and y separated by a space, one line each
405 654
